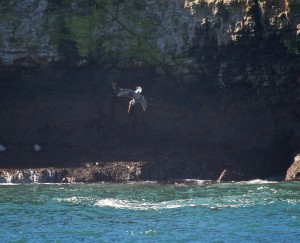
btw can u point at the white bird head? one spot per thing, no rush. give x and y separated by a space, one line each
138 89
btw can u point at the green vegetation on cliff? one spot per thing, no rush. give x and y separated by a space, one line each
103 29
153 32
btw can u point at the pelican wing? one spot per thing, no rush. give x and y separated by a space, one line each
114 85
126 93
141 99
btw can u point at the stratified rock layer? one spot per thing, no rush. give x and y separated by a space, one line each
186 34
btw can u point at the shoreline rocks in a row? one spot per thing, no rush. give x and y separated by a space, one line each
110 172
93 172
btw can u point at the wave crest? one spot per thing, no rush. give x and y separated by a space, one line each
137 205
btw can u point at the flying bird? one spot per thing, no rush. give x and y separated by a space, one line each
135 96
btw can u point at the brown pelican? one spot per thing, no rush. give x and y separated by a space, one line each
135 96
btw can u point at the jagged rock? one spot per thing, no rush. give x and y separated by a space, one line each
221 177
68 180
293 173
116 171
230 175
31 175
5 177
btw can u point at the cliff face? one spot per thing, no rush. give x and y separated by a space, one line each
222 77
148 32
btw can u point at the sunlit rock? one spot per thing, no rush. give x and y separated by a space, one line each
293 173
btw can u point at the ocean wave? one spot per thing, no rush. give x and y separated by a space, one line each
74 200
141 205
137 205
256 181
10 184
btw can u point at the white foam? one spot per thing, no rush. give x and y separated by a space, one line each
137 205
73 200
9 184
197 181
257 181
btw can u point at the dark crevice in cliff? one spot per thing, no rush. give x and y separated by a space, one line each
258 20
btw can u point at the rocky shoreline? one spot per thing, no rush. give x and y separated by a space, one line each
116 172
90 172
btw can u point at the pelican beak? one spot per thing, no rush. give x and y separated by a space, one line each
129 108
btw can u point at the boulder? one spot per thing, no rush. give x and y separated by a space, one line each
293 172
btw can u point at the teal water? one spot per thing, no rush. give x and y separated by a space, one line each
256 211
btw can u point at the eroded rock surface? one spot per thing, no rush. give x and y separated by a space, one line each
293 173
91 172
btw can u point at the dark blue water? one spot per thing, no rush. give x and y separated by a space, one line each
254 211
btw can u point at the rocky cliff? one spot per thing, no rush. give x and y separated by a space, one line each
222 78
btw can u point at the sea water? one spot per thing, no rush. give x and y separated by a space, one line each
191 211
